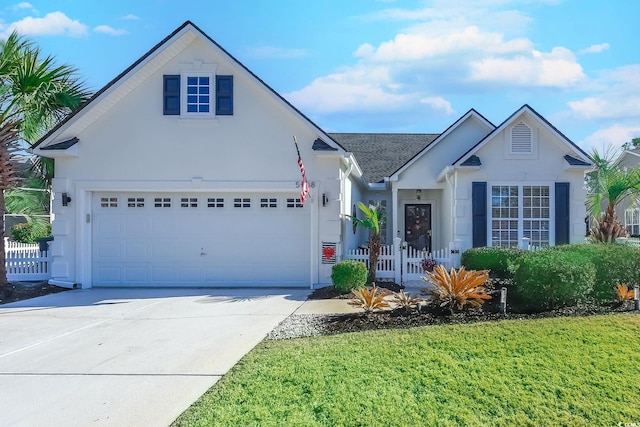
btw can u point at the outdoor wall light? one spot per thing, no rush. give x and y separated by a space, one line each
66 199
418 194
325 200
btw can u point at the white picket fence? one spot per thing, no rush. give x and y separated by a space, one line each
26 262
403 263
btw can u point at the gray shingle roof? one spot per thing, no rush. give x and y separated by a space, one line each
381 154
575 162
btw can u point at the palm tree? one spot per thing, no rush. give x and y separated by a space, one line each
609 184
35 94
371 221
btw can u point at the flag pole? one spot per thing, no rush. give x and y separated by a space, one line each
304 184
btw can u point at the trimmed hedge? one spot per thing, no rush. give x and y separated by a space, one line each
348 275
613 264
550 279
562 275
495 259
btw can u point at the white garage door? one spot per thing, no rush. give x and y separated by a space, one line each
198 239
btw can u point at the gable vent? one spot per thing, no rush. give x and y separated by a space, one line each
521 139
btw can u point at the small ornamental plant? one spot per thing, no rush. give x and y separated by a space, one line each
458 288
369 299
428 264
624 293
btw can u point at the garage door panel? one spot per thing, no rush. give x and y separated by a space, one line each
143 245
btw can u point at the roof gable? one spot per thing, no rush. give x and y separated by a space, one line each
579 154
469 115
149 63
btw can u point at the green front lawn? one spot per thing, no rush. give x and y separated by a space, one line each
561 371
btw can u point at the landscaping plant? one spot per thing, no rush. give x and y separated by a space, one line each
608 185
623 292
405 301
348 275
369 299
458 288
551 279
496 259
613 264
371 221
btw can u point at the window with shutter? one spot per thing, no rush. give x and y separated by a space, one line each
197 95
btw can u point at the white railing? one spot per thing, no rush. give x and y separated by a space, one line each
404 263
26 262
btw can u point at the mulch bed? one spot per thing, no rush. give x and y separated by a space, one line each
430 314
18 291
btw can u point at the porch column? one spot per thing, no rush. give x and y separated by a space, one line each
394 211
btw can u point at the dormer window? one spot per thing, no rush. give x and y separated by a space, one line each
521 139
197 94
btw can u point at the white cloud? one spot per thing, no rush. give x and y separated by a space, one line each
105 29
557 68
618 96
595 48
438 103
275 52
24 5
611 136
362 89
130 17
54 23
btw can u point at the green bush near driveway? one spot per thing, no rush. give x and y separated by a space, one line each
348 275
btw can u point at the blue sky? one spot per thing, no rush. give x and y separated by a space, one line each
384 65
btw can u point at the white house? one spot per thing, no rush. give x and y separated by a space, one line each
182 172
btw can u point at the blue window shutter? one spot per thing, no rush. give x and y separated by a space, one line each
171 95
562 213
479 213
224 95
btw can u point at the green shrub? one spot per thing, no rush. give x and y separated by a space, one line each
494 259
348 275
28 232
614 264
551 279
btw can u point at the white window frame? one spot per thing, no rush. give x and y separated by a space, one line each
184 77
521 219
632 220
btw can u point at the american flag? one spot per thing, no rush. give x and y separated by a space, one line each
304 186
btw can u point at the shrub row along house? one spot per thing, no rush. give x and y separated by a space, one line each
182 171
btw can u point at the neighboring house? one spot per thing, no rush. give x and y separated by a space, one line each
182 172
628 211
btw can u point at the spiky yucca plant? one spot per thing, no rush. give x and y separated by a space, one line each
458 288
623 292
369 299
405 300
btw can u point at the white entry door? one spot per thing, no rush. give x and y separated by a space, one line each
199 239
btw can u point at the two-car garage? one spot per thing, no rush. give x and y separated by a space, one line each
200 239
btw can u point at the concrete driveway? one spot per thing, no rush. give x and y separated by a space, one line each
126 357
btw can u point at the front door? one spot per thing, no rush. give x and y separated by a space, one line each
417 226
